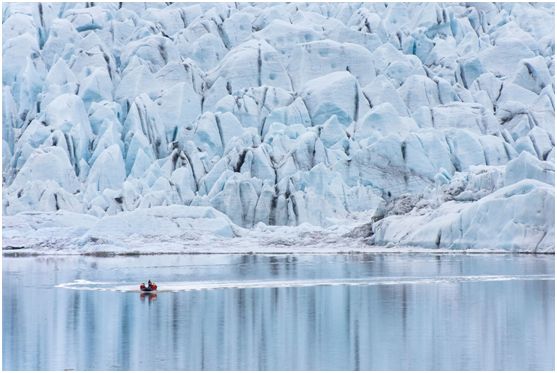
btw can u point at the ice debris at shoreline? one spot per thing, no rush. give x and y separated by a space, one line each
431 123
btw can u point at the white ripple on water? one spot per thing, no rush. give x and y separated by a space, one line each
82 284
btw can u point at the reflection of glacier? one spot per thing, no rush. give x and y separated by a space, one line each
438 326
429 116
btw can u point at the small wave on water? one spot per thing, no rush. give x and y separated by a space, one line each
82 284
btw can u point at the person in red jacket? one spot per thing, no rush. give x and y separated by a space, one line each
151 286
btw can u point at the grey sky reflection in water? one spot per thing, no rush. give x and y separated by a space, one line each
454 325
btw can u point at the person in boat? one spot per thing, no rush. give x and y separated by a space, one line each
150 286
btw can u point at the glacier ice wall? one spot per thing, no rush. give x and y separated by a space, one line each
284 113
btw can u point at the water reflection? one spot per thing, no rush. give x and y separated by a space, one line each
149 296
447 326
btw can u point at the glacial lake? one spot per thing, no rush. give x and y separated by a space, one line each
280 312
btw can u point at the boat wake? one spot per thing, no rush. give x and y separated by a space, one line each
295 283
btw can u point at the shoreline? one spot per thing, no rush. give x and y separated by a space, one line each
429 252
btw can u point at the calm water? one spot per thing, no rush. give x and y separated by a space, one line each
339 312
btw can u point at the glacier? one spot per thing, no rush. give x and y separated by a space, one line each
361 125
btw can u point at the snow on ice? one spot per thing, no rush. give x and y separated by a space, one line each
427 125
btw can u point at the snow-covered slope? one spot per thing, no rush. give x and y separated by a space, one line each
286 114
